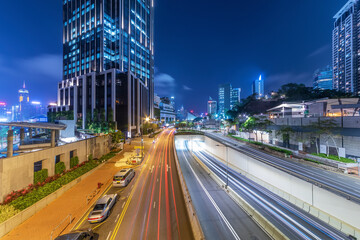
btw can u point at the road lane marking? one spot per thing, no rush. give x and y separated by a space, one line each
154 204
117 217
123 205
108 236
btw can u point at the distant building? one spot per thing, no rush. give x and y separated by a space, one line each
258 87
211 106
166 108
345 48
24 110
323 79
235 96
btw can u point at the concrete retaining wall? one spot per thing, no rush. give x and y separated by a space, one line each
21 217
18 172
333 209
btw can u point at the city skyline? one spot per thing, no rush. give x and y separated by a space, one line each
312 52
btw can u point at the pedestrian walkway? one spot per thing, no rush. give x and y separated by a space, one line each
74 201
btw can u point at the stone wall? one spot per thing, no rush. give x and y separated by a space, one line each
18 171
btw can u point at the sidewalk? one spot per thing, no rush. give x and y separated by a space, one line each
40 226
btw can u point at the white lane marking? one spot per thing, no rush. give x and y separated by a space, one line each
154 204
123 205
108 236
152 169
236 236
157 180
132 187
167 168
117 217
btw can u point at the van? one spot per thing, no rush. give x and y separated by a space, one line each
123 177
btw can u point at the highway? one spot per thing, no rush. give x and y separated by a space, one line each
219 216
346 186
152 205
289 219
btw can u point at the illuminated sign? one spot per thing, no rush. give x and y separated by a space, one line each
2 104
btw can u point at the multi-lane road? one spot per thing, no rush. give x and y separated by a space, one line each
219 216
340 184
152 205
289 219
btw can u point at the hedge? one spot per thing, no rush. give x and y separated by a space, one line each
40 176
280 150
74 161
336 158
59 168
6 212
36 195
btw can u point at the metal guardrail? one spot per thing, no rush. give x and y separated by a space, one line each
58 226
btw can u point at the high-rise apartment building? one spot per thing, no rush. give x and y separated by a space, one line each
224 98
323 78
346 48
108 61
258 87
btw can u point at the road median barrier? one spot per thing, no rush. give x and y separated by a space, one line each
194 220
259 219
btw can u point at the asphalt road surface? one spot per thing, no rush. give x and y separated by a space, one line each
340 184
152 205
289 219
220 217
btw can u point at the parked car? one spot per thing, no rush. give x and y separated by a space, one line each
123 177
102 208
80 234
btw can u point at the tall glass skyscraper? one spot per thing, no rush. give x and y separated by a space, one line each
323 79
108 60
258 87
346 48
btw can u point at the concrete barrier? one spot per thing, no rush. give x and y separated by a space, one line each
333 209
21 217
267 226
194 221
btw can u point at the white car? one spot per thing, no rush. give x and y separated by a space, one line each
102 208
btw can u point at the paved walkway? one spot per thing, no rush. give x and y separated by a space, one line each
40 225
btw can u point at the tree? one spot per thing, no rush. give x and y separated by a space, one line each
117 137
327 128
285 132
249 126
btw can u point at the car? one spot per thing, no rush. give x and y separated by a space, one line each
80 234
102 208
123 177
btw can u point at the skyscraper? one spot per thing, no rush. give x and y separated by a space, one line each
258 87
211 106
108 60
345 48
235 96
224 98
323 79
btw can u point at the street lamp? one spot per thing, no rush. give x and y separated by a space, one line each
227 164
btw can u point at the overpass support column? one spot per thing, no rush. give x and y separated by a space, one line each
10 143
52 138
22 135
30 133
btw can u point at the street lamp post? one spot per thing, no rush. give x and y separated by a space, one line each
227 165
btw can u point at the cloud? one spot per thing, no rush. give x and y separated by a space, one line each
186 88
320 51
164 84
47 65
277 80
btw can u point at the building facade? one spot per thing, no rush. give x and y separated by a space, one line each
258 87
224 98
108 60
345 48
235 96
166 109
211 106
323 78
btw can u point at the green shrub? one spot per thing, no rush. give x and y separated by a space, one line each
311 160
90 158
280 150
333 157
74 161
59 168
7 211
29 199
40 176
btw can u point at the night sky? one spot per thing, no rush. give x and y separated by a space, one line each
198 45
